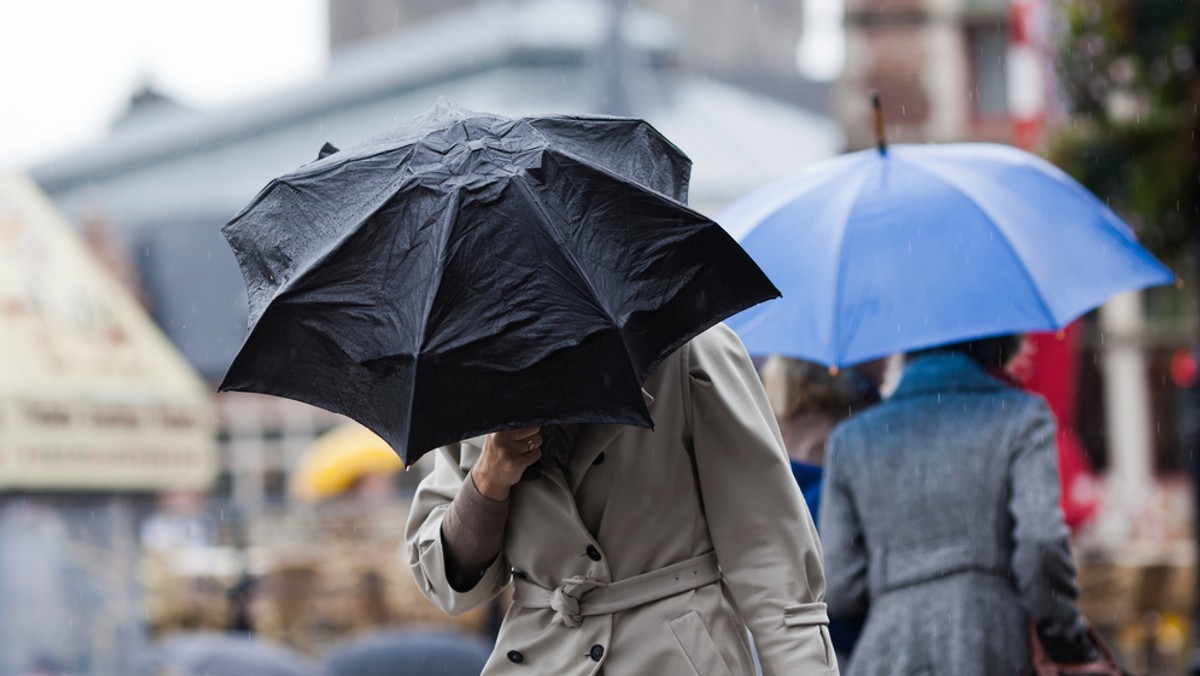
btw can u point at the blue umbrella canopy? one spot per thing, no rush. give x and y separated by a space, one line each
884 252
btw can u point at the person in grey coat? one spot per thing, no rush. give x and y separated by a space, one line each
940 522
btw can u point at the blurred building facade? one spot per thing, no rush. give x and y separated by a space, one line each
940 67
167 178
751 43
92 396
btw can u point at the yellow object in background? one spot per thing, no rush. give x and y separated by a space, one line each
339 458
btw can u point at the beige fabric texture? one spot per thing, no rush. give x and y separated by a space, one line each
711 476
473 532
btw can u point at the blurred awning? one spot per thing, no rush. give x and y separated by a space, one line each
92 395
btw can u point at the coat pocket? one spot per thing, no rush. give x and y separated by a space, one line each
698 645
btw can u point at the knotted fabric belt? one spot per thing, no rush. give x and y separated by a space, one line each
580 597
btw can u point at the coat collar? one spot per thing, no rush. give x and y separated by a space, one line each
592 441
944 372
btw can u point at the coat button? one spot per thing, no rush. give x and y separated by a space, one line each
599 460
593 553
515 656
596 653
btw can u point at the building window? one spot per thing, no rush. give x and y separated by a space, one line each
988 46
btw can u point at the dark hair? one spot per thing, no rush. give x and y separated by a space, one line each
994 352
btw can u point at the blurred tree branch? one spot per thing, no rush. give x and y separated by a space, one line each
1130 79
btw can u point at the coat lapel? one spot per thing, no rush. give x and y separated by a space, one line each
592 441
548 472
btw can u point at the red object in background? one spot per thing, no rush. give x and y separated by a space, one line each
1049 367
1183 368
1050 364
1026 131
1027 65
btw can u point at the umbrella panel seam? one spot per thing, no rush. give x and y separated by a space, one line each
992 221
841 256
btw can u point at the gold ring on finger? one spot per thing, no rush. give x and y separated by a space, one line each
529 443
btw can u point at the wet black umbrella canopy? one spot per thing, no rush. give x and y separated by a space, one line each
466 273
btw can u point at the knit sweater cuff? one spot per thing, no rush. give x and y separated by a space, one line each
472 534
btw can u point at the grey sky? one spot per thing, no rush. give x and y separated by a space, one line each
67 67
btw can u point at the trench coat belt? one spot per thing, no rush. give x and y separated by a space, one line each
579 597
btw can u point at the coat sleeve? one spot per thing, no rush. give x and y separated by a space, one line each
423 536
1041 559
842 535
760 527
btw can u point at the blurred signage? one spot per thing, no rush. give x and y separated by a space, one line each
92 395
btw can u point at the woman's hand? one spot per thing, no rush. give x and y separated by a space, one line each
505 457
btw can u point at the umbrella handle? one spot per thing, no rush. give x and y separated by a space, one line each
880 138
532 472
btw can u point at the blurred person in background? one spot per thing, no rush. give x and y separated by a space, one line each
181 520
808 400
940 522
638 551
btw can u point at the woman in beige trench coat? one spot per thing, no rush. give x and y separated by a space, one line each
651 551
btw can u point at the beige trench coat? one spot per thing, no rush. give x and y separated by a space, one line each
712 476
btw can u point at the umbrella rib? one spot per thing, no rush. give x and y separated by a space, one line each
593 166
841 279
356 222
1112 222
567 254
570 258
805 182
448 218
994 222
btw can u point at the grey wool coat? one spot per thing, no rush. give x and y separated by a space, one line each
711 481
940 521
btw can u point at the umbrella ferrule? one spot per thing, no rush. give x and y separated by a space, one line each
880 138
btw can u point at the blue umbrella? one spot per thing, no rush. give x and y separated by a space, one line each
878 252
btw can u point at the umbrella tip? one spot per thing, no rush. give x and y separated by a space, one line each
833 370
1178 282
327 150
1061 334
880 139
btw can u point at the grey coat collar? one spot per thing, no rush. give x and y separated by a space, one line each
944 372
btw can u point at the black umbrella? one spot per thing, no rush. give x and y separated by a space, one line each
467 273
